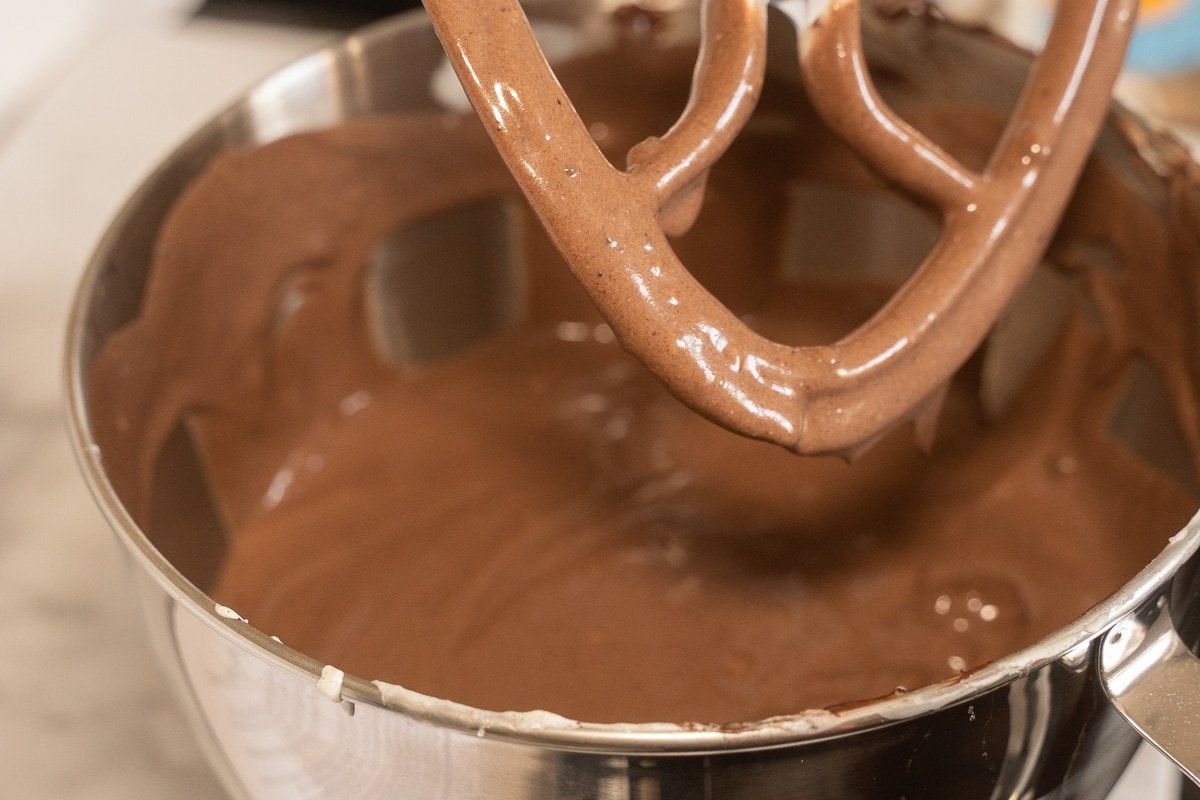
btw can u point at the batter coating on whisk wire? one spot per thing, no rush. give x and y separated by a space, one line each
831 398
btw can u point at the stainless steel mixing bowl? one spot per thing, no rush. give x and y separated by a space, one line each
1043 722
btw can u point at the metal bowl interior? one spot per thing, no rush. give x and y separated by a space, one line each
387 69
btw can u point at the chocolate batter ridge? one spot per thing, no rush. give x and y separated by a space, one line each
824 398
535 523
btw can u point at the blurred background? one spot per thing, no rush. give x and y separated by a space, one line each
92 94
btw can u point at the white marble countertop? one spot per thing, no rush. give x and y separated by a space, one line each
84 713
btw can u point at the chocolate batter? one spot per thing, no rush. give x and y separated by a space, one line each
533 522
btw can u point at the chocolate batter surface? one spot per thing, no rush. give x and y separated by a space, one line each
533 522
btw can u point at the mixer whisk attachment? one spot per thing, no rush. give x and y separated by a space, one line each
612 224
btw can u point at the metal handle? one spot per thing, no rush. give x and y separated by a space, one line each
1153 680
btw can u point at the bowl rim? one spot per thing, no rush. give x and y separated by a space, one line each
536 727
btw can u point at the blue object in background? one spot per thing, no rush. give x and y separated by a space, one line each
1167 38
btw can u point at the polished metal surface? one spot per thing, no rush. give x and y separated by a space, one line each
1036 724
1152 677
